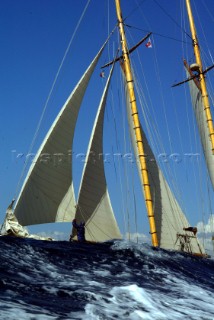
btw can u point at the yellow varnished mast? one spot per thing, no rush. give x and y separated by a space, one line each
136 123
201 75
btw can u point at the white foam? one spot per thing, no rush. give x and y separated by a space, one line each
102 273
13 311
132 302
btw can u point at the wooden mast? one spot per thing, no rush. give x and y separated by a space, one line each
136 124
201 74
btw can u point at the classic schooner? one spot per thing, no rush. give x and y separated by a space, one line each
47 194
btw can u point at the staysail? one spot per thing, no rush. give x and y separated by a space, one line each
47 194
169 218
94 206
198 108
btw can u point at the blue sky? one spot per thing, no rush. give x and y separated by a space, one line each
35 35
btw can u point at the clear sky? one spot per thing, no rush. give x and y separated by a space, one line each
34 37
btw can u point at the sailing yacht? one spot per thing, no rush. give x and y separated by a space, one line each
47 194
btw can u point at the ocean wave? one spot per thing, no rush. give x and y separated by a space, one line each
113 280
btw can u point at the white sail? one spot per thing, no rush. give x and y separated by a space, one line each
11 226
169 218
94 206
47 194
198 108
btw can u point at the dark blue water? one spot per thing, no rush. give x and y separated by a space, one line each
115 280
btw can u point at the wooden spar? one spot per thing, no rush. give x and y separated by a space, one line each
136 125
130 51
192 76
201 75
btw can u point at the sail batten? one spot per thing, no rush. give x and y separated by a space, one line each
48 187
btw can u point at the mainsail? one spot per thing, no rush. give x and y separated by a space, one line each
169 218
94 206
47 194
198 108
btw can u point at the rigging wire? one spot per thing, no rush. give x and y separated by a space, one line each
120 168
144 106
193 124
114 119
211 217
126 170
165 12
125 177
152 142
170 17
135 9
193 138
50 94
117 166
197 167
187 35
208 11
158 34
171 176
81 212
125 166
186 95
209 195
181 217
206 53
154 127
135 206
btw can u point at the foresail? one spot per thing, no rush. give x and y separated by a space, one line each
47 194
202 127
11 227
94 206
169 218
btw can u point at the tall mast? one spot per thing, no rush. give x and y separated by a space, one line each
201 75
136 125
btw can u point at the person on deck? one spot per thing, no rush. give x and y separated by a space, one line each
191 229
80 230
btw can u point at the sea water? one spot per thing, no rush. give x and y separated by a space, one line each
115 280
